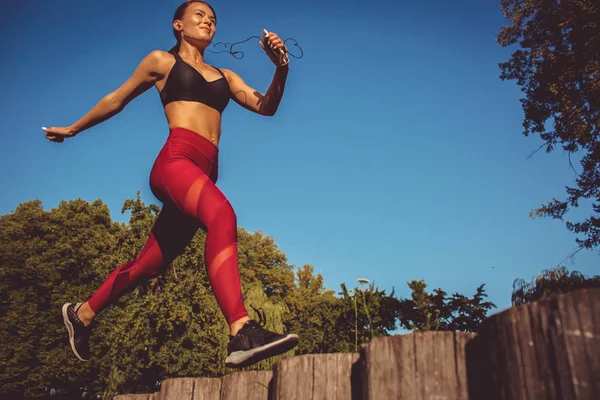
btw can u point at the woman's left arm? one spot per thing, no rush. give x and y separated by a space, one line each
253 100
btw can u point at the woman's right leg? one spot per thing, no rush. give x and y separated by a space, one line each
170 235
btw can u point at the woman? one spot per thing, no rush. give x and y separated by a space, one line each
194 94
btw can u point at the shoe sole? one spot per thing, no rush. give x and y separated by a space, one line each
70 329
240 359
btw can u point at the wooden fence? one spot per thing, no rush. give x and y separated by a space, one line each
545 350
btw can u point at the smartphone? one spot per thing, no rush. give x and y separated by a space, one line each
278 56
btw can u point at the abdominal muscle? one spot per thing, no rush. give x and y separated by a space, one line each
197 117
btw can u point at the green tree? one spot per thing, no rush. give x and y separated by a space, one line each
365 314
550 283
425 312
467 314
557 66
438 312
260 260
313 312
46 259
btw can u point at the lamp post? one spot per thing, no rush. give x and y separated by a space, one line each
353 294
363 282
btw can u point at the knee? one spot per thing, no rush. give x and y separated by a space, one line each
149 271
231 213
226 214
224 224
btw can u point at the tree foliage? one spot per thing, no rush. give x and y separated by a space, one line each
169 326
557 66
46 259
438 312
550 283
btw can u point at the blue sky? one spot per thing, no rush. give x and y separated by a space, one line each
396 153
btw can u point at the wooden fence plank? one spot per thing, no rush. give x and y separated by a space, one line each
207 389
424 365
177 388
190 389
316 376
252 385
524 344
459 342
570 309
293 370
548 349
590 323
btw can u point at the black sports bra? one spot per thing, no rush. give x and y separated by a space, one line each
186 83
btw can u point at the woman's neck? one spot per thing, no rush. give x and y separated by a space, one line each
190 52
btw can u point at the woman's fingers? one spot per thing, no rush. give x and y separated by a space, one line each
56 131
58 139
275 41
56 134
276 50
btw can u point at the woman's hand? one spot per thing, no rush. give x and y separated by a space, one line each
58 134
275 43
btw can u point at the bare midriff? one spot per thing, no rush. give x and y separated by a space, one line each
197 117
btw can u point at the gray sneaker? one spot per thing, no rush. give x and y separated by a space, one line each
79 335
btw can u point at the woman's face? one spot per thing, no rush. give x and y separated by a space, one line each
198 23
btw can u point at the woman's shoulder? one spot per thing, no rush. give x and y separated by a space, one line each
158 60
160 55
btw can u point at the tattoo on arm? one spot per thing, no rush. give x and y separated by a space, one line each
241 97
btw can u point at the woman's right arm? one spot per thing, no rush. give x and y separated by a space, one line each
144 77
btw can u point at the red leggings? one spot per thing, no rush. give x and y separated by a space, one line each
183 178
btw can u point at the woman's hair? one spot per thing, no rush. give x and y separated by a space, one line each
179 15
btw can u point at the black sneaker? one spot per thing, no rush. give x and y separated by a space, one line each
79 335
253 343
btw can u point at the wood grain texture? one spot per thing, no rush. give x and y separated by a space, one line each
177 388
252 385
315 377
207 389
549 349
576 337
190 389
423 365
